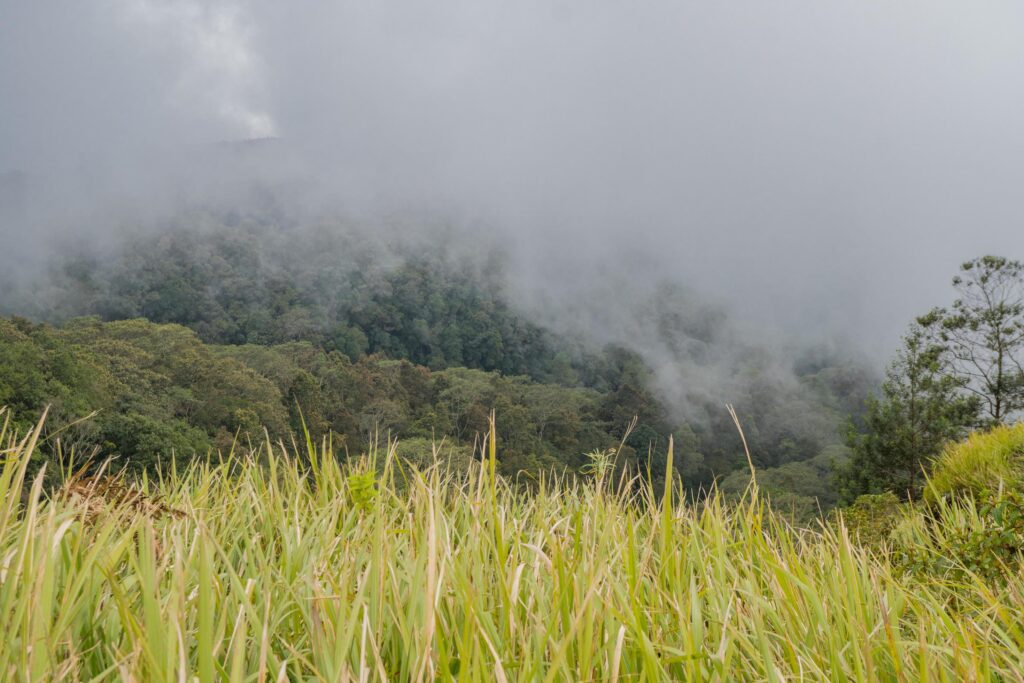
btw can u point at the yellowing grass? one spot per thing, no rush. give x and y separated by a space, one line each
985 460
275 573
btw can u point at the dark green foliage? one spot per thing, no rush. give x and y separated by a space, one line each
141 441
921 408
959 368
157 388
160 391
251 284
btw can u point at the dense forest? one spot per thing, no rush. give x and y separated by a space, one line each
185 338
217 327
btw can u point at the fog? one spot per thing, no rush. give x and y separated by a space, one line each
820 168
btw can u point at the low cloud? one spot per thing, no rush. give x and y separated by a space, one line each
818 170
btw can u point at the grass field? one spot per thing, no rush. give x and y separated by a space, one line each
260 568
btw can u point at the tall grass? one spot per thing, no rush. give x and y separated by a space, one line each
986 459
277 572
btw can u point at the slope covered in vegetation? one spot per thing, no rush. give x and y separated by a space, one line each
159 390
352 334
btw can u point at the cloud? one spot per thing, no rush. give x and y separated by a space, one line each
218 71
818 167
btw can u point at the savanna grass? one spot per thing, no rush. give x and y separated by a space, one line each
988 459
275 571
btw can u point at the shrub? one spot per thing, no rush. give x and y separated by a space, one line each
964 538
871 518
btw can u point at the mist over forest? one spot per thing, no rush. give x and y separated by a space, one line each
819 172
750 205
536 340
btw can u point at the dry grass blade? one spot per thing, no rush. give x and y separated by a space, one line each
285 572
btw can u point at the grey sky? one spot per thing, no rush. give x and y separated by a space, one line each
820 165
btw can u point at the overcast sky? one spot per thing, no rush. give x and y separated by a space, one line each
822 165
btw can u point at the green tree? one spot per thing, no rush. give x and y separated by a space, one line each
984 334
923 405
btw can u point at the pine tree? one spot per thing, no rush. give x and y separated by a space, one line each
922 406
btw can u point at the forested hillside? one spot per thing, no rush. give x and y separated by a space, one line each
223 327
252 281
159 388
